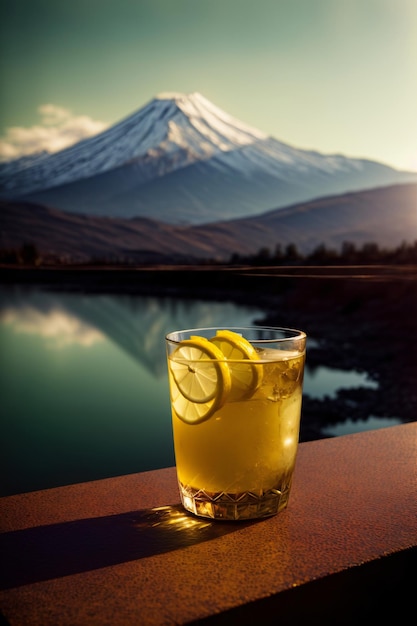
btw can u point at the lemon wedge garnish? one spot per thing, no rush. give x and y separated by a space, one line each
201 378
246 377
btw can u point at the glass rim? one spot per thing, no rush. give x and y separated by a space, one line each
294 336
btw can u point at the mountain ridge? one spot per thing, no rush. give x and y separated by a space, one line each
386 216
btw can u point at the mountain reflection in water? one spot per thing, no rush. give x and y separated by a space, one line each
84 386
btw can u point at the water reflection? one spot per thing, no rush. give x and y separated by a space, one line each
325 381
57 326
84 386
83 382
136 324
349 425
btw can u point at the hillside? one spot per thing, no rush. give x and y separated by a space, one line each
386 216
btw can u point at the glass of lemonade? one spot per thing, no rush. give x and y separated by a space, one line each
236 404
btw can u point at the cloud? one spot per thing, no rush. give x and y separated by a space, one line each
57 130
59 328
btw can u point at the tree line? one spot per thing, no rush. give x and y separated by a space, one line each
369 253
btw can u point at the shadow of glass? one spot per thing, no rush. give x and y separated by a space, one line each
47 552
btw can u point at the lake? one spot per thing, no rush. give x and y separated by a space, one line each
83 384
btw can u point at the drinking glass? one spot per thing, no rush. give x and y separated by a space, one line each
236 397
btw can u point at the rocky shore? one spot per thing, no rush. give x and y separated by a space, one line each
365 325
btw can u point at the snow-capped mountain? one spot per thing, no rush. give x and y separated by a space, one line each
173 129
181 159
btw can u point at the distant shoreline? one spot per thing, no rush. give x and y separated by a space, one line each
245 284
112 273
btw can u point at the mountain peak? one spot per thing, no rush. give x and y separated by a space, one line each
211 124
176 95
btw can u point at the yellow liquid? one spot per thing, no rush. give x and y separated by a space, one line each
248 445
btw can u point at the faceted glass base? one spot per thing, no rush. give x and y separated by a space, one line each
228 506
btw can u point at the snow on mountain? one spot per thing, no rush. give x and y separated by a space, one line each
181 159
187 128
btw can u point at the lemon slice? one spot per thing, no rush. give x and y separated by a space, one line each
246 377
201 379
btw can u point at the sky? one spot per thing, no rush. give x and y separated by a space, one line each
337 76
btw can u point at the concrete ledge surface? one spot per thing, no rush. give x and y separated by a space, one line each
121 551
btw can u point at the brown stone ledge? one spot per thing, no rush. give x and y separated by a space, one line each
120 551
